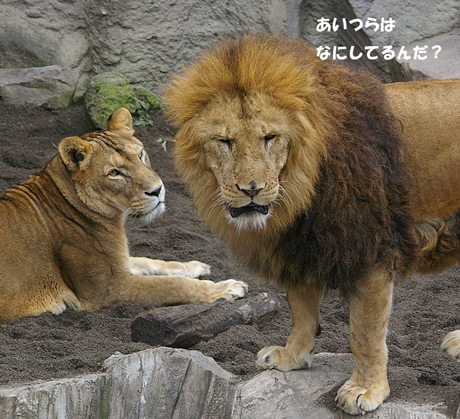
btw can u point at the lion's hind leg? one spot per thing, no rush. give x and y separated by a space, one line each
450 345
370 310
439 242
147 266
298 352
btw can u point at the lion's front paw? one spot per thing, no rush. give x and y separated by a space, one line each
231 289
282 359
356 400
195 269
450 345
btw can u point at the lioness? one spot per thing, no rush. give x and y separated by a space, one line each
318 178
63 241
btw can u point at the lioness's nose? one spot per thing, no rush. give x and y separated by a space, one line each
252 191
155 192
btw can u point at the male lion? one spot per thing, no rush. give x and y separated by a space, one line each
299 165
63 241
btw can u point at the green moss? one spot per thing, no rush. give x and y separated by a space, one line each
147 97
108 91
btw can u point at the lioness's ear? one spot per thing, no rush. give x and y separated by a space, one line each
121 121
75 153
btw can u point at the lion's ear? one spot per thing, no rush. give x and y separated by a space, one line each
75 153
121 121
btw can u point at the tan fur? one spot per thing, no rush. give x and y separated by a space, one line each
429 112
299 348
347 194
63 239
369 314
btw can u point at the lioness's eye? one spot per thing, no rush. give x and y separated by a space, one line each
142 156
115 173
269 137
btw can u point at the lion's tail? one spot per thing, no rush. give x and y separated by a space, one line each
439 244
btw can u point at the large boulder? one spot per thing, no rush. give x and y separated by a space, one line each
50 87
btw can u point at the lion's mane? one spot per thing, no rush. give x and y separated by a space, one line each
345 205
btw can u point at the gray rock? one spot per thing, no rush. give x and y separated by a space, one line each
154 384
185 325
39 34
145 41
413 22
176 383
294 395
306 394
82 397
51 87
443 65
166 383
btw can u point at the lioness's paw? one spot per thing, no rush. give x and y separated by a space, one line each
195 269
280 358
357 400
450 345
231 289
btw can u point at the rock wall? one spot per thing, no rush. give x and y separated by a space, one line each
148 41
414 22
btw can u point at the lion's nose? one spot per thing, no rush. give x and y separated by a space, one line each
155 192
252 191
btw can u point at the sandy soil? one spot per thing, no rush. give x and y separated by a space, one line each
74 343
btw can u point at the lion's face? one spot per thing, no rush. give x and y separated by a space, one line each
252 134
112 172
246 145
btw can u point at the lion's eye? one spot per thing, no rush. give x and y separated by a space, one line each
227 142
269 137
115 173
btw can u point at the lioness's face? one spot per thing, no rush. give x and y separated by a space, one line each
112 173
246 145
123 180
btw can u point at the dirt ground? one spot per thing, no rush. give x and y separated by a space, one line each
74 343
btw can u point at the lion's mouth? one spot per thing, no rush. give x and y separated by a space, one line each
252 207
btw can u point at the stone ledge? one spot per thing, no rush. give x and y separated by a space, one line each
176 383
